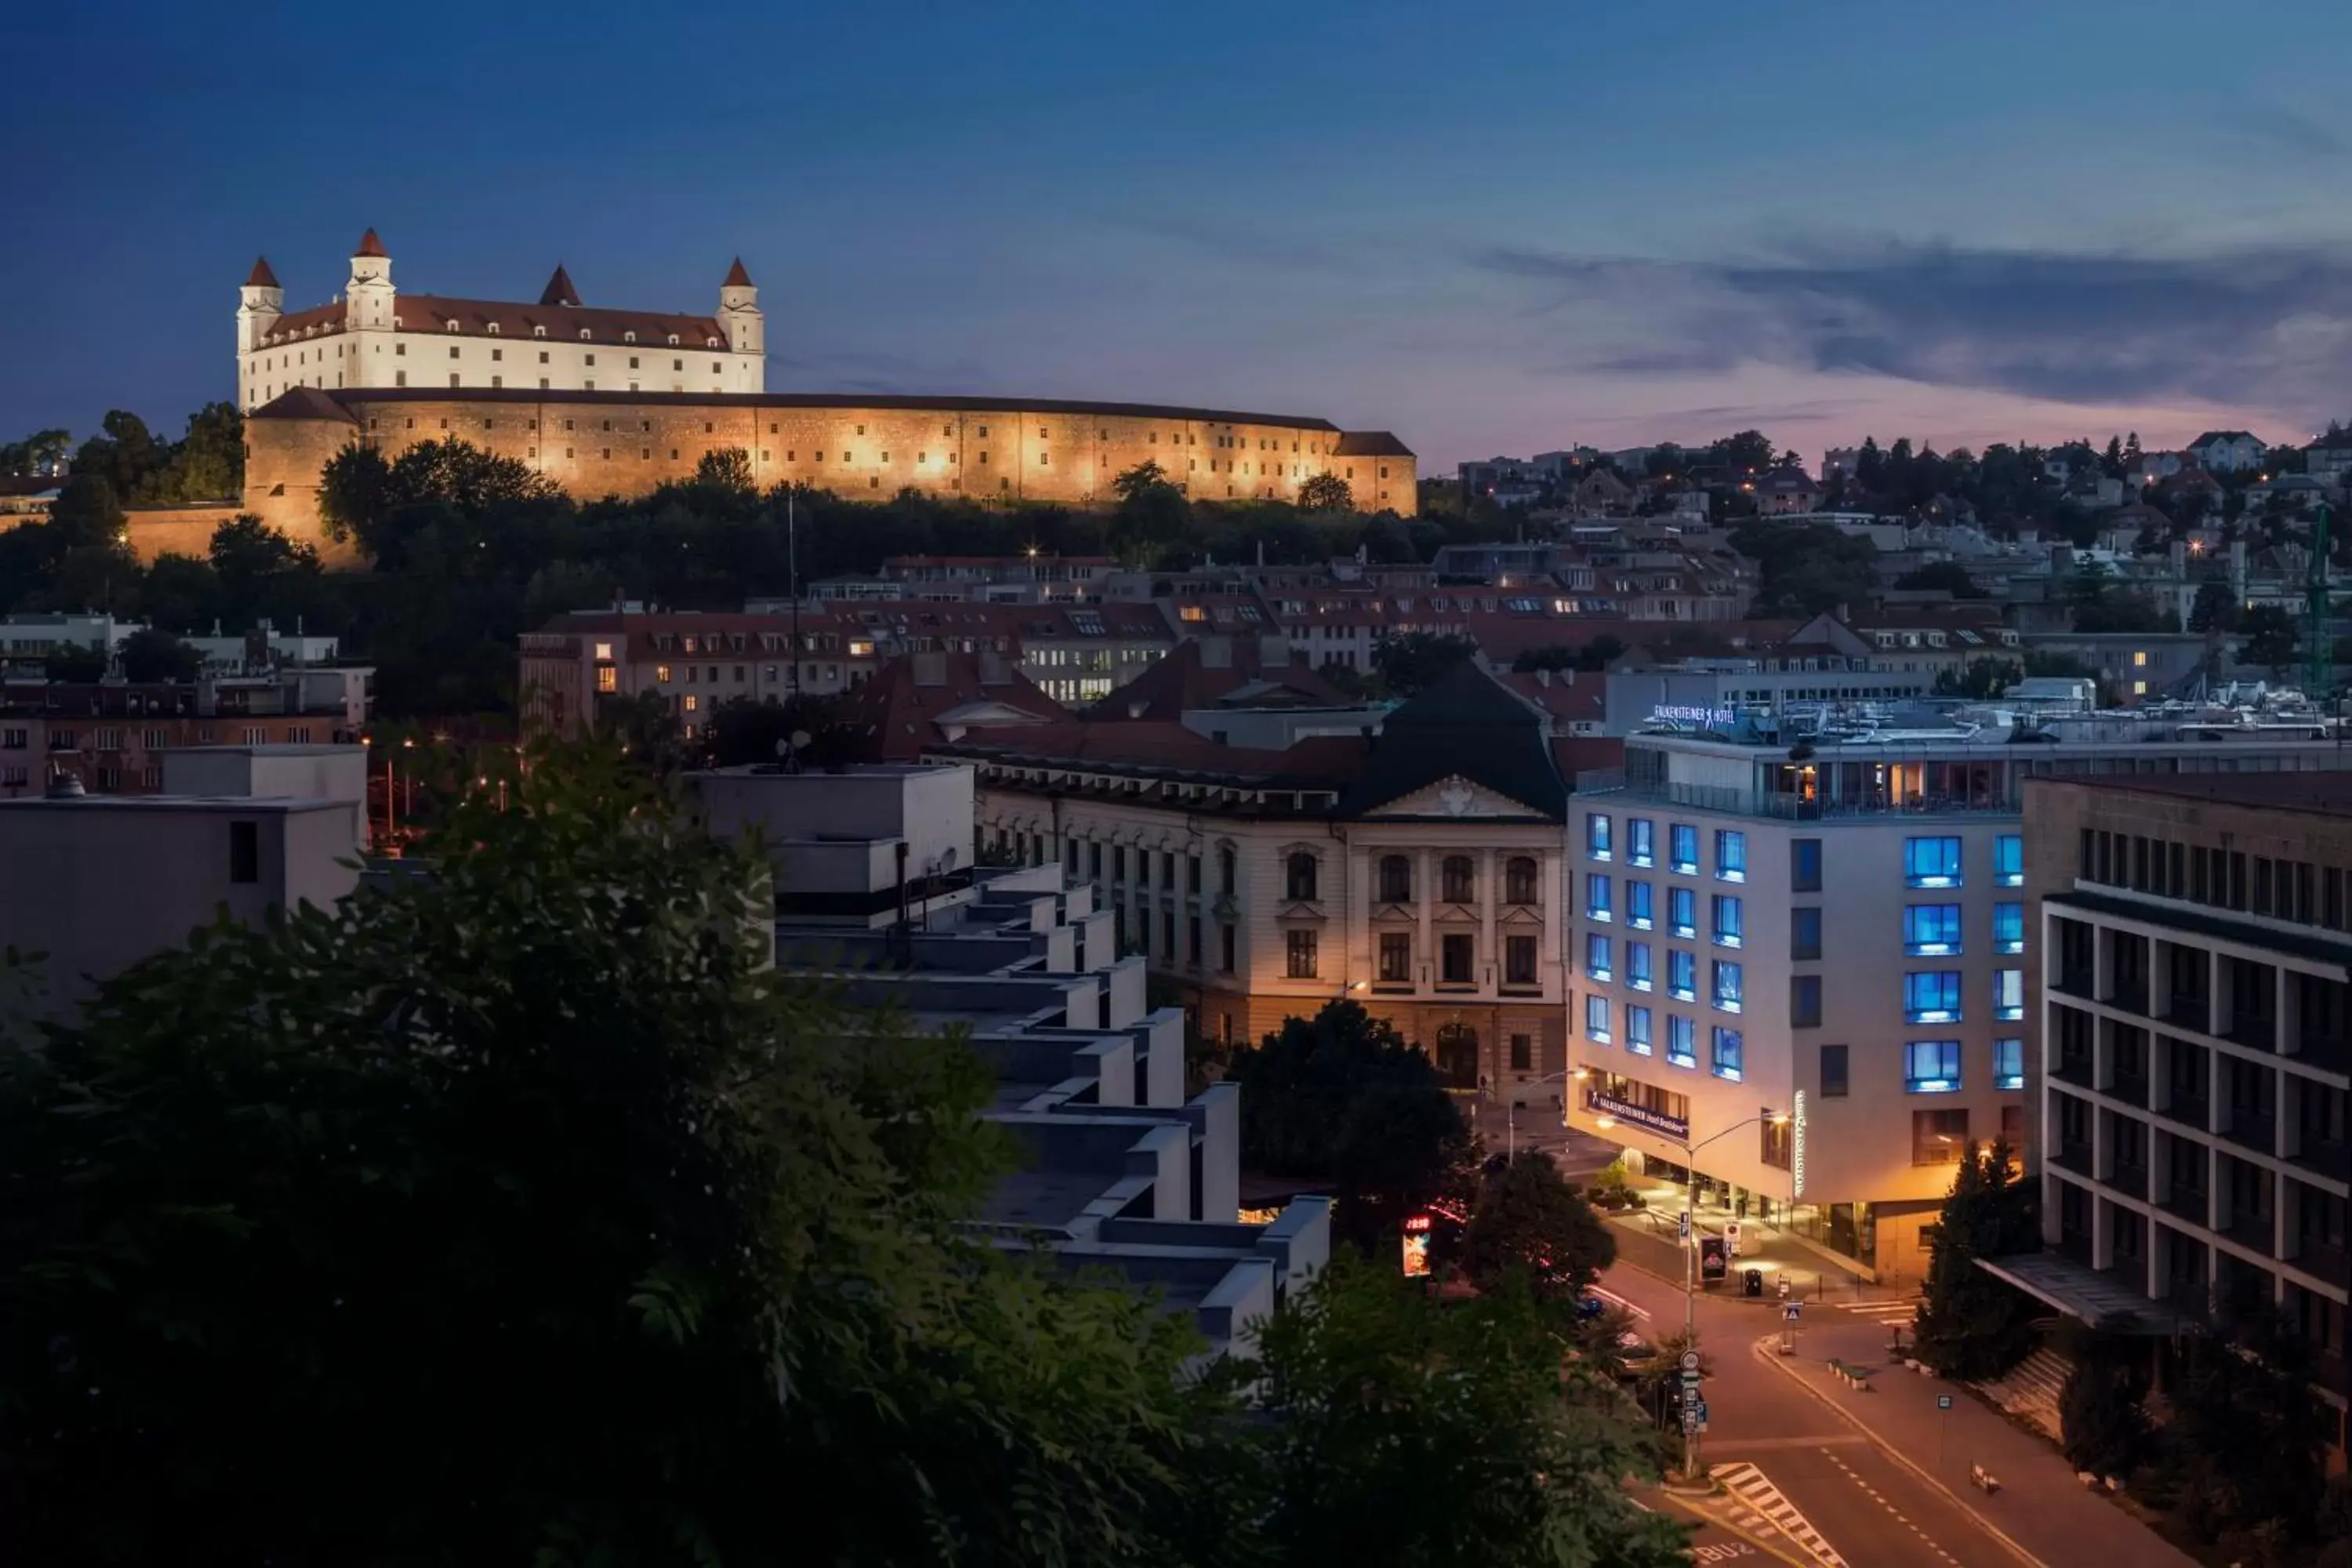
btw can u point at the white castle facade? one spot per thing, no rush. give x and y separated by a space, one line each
372 336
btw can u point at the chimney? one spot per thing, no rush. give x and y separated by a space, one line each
930 668
1217 653
1273 651
992 670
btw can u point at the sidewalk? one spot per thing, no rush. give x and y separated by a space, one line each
2040 1507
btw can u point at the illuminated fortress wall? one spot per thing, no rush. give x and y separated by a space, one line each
600 444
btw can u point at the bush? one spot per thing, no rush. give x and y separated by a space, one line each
2104 1425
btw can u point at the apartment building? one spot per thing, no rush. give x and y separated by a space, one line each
2193 985
1419 870
1830 927
1122 1170
111 736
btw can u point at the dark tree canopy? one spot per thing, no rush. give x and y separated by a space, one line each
1342 1095
1528 1222
1972 1325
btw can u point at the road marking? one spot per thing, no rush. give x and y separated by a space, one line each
1899 1312
1876 1497
1755 1498
1752 1445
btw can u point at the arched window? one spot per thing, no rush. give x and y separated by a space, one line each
1457 1056
628 337
492 328
1225 878
1461 879
453 326
1396 880
539 332
584 334
1519 880
673 340
1301 876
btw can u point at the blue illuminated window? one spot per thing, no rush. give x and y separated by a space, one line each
1682 1041
1728 984
1637 1029
1682 975
1932 996
1729 921
2008 861
1681 911
1681 850
1637 904
2008 995
1641 841
1725 1058
1637 965
1931 931
1596 896
1731 856
1596 956
1931 862
2009 928
2009 1064
1596 1019
1932 1067
1596 836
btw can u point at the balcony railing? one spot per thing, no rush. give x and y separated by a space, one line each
2329 1156
2188 1010
2130 996
2258 1032
2075 980
2189 1110
2253 1229
2319 1257
2130 1087
2129 1180
2072 1156
2074 1068
1782 808
2194 1203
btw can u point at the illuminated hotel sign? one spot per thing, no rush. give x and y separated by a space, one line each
1682 713
1639 1116
1797 1154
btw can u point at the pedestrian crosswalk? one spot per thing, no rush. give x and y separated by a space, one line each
1755 1505
1893 1309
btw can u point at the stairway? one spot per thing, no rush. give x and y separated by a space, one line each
2031 1390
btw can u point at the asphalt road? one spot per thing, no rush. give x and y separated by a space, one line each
1870 1511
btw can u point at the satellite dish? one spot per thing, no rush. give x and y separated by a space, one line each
799 738
783 748
948 860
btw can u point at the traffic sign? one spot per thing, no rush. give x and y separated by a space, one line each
1789 1313
1943 1402
1686 1224
1690 1361
1702 1410
1690 1377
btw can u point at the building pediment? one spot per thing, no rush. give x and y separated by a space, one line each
1399 912
1454 796
1522 915
1303 914
1456 915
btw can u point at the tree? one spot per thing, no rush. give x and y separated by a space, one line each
75 664
1807 568
1153 517
1945 576
2271 639
150 654
38 453
1343 1097
208 464
125 454
1971 1325
428 1155
1591 659
1326 493
2245 1448
1408 661
355 492
87 510
1530 1223
728 470
2215 608
1748 452
2103 1420
1399 1430
745 731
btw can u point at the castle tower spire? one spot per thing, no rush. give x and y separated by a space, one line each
738 310
559 289
260 304
368 297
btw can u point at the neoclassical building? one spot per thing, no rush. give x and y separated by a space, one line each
1421 871
615 401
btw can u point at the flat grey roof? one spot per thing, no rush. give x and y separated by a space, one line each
291 749
216 804
2081 1291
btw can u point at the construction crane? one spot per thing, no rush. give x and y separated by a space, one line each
2318 673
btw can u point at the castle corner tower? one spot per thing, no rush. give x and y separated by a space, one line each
739 309
368 297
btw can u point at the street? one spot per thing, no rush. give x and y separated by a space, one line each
1799 1468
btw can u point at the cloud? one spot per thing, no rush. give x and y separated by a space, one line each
2267 327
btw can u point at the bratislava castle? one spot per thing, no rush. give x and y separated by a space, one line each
603 402
373 336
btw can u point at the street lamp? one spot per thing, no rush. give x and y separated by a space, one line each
1690 1254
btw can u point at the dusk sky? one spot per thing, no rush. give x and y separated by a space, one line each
1492 229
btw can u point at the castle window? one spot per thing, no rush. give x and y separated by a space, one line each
453 326
710 343
538 332
567 452
530 424
1040 434
885 457
1045 459
411 425
590 358
705 426
534 451
583 338
445 425
632 359
498 381
983 432
567 424
542 356
400 350
629 338
820 457
673 342
454 350
983 459
608 423
647 425
589 384
764 454
861 429
492 328
874 484
673 454
608 454
948 430
498 355
489 423
371 421
922 457
772 429
452 378
676 365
